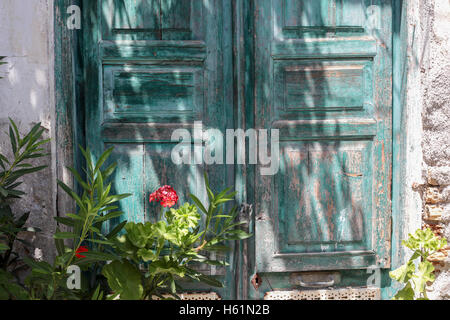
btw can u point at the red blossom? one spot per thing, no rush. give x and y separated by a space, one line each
81 249
165 195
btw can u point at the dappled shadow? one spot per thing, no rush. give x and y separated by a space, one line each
322 200
165 64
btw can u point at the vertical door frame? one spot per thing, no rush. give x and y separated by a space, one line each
243 101
70 127
399 139
69 100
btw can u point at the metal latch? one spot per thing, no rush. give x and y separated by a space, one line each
315 279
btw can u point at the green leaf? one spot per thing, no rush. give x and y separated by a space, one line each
100 241
109 216
218 248
198 203
77 177
124 279
65 221
108 171
23 172
3 158
103 158
65 235
39 266
407 293
59 244
234 225
22 220
72 194
16 131
99 256
96 293
3 192
15 193
31 135
138 233
173 287
116 229
75 217
213 262
94 229
224 200
210 281
422 276
12 138
404 273
237 235
87 155
147 254
24 165
221 216
115 198
99 184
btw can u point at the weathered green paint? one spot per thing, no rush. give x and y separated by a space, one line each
139 143
69 118
400 80
152 67
323 73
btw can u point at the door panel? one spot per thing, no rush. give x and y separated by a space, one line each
319 71
153 66
323 79
297 17
153 93
152 20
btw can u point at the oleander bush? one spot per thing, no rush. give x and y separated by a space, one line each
12 226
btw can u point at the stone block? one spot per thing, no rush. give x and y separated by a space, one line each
433 196
433 212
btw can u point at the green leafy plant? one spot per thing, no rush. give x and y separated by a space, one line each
13 168
156 256
2 62
95 206
423 244
23 149
149 259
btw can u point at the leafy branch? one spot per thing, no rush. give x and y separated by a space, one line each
423 244
95 206
2 62
23 149
156 256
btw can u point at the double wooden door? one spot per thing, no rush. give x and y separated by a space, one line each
318 71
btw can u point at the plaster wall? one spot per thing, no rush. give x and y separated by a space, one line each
27 96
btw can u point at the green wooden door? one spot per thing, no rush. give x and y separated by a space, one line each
153 66
319 71
323 75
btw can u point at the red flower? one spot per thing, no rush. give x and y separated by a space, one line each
81 249
166 195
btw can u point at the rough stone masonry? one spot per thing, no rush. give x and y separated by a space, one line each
436 133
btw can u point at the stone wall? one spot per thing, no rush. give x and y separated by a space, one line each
436 134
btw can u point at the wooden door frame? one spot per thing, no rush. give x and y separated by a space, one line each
70 124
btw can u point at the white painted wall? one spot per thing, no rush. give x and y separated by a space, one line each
27 96
25 34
